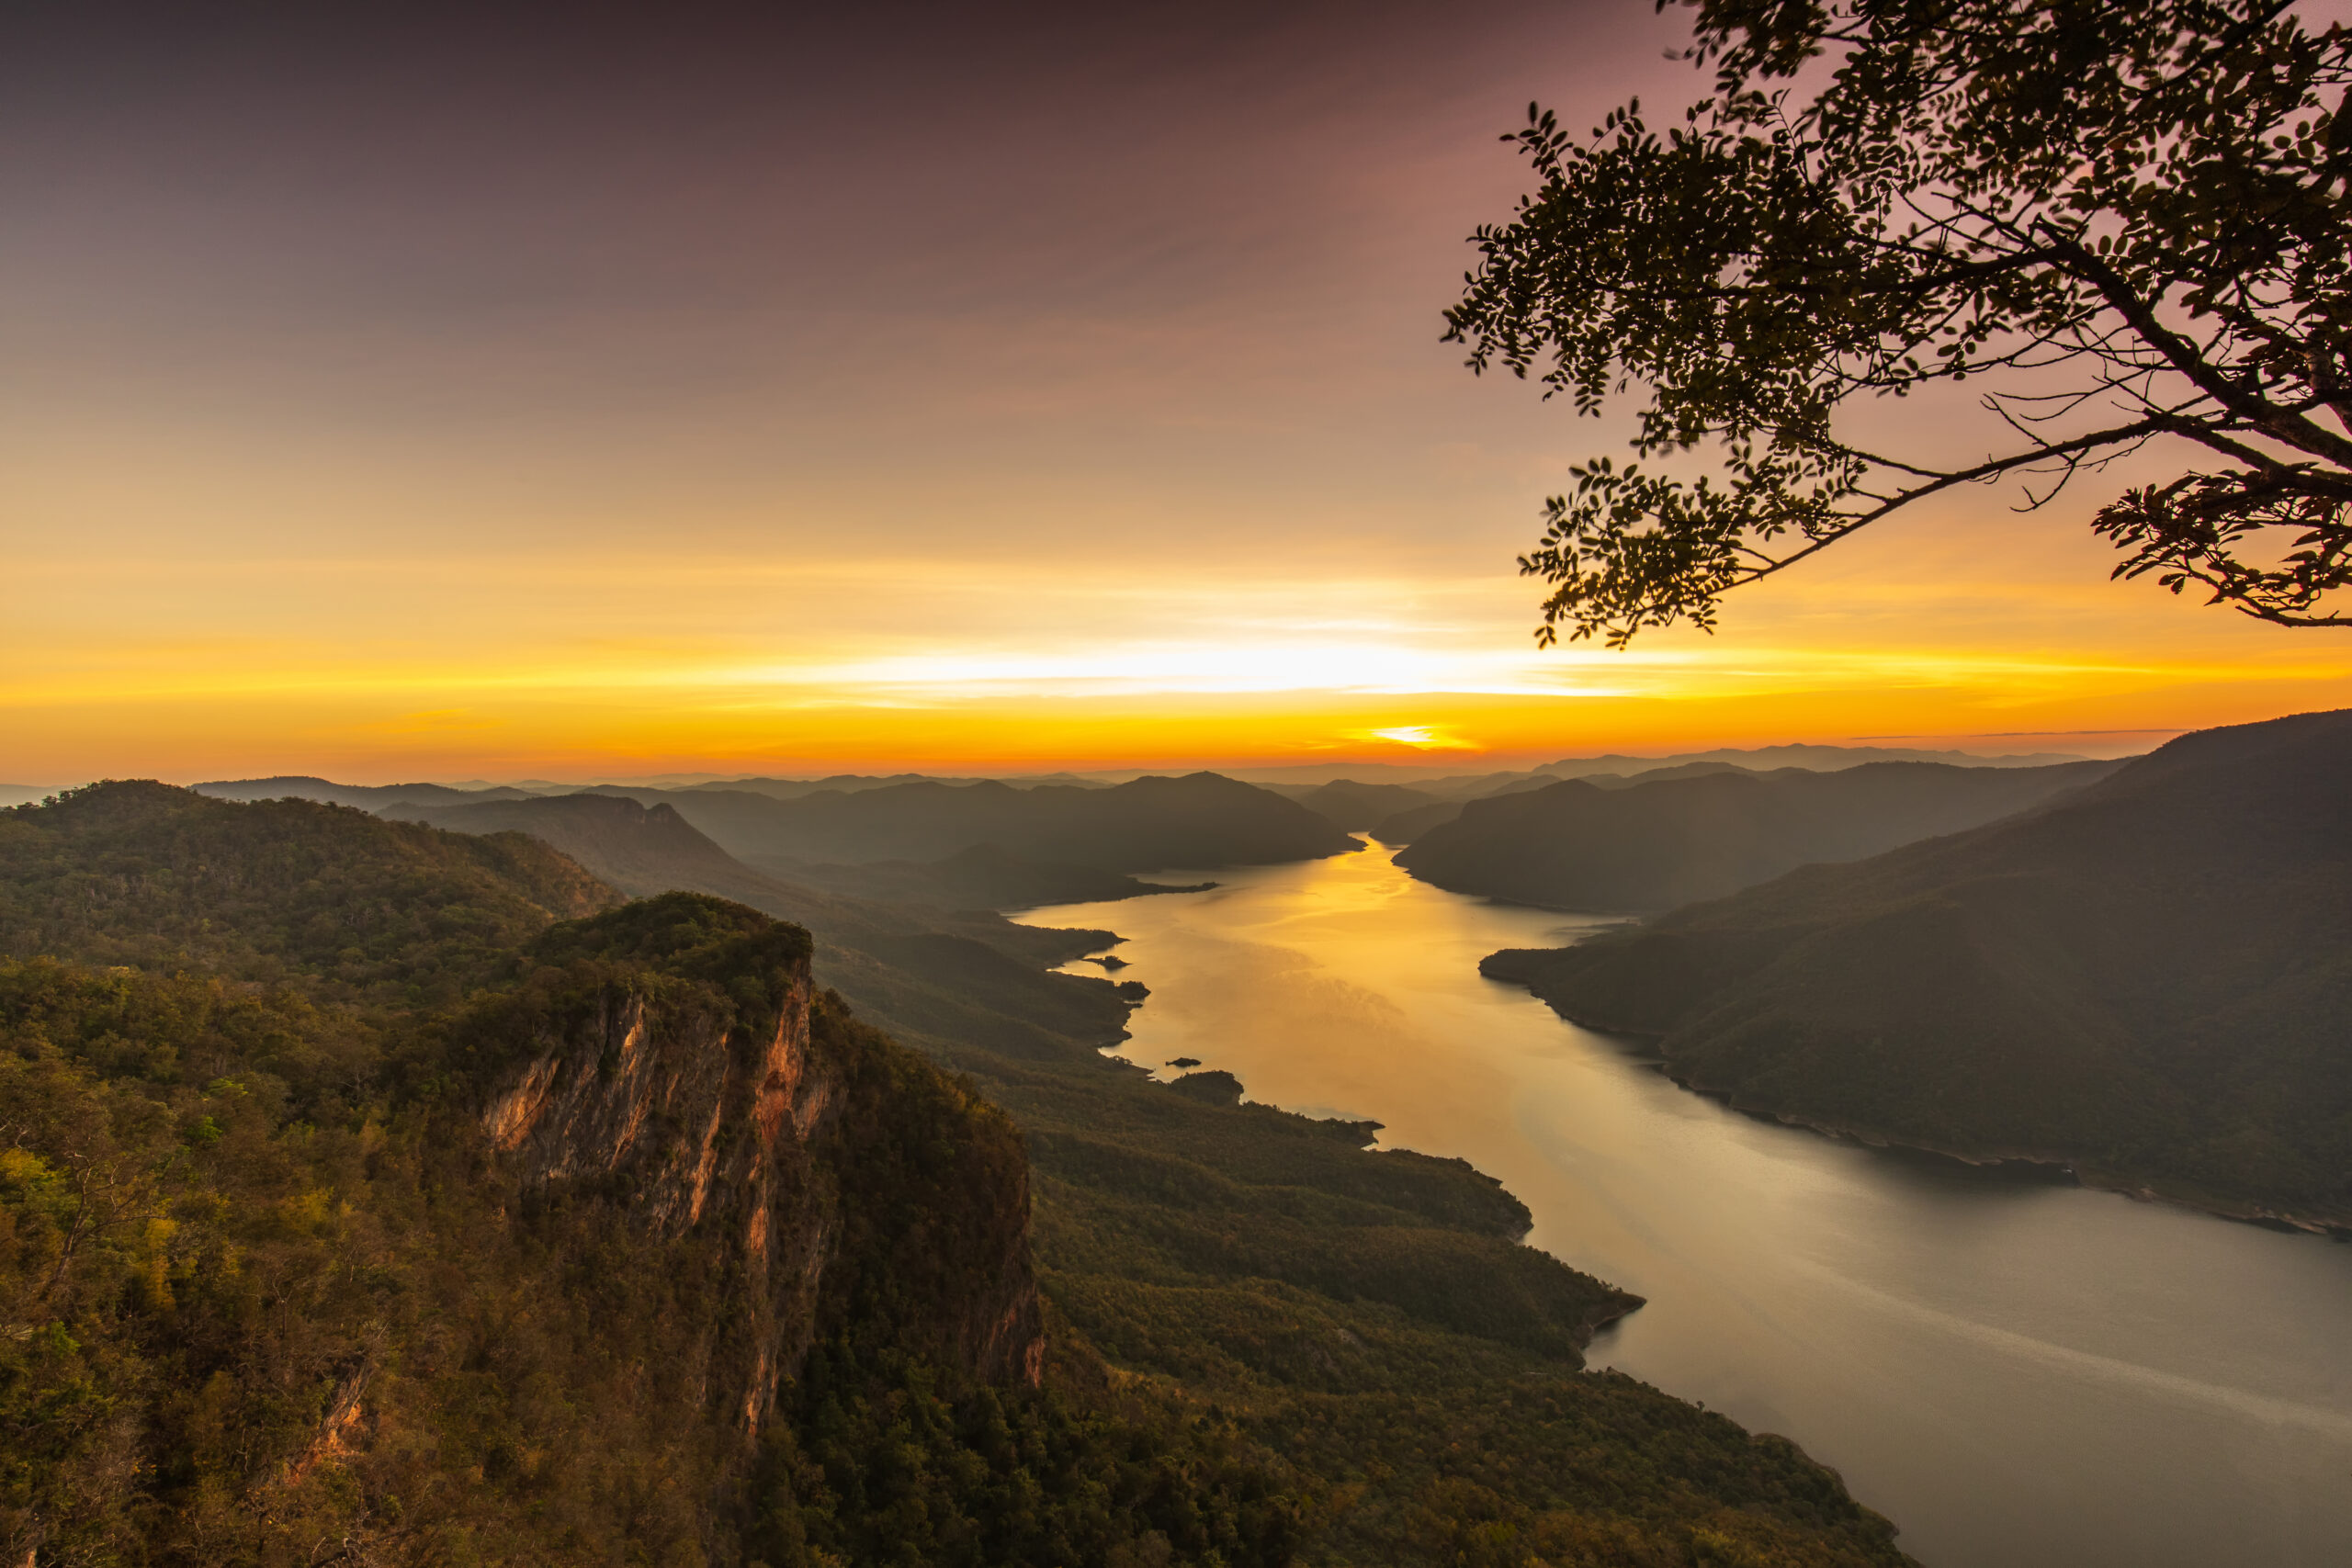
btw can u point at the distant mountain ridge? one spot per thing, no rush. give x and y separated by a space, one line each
367 797
1200 819
1818 759
890 961
1356 806
792 789
1295 781
2148 979
1436 780
1705 830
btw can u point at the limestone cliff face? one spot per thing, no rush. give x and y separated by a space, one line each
651 1095
812 1164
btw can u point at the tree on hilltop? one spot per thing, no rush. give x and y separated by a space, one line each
2126 223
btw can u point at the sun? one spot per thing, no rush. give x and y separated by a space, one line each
1422 738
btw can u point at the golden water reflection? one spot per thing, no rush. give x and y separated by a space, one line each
2019 1372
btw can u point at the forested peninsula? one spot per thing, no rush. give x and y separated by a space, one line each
2146 980
374 1193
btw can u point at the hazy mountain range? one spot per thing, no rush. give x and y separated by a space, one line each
1703 830
1050 842
1201 820
1439 781
1436 781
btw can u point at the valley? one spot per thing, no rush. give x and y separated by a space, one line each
546 1145
2020 1371
1340 1179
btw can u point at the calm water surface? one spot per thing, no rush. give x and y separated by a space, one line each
2018 1373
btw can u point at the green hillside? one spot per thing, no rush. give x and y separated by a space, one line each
1147 824
146 874
606 826
1265 1262
2148 979
264 1284
429 1278
969 974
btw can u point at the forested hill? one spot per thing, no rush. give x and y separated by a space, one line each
1045 842
1574 845
143 874
624 1242
1201 820
921 971
569 1267
649 848
2149 979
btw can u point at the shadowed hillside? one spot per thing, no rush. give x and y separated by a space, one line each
1578 845
974 968
1406 825
1410 824
2148 978
1202 819
1355 807
646 1251
982 878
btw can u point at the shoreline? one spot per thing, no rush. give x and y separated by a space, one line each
1588 1328
2089 1177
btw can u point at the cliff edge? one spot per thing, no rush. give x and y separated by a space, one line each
671 1063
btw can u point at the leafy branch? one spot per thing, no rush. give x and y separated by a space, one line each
2127 224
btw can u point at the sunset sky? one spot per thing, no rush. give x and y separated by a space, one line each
397 392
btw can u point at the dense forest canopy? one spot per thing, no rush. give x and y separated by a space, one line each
270 1293
2119 225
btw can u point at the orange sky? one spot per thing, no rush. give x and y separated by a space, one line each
731 397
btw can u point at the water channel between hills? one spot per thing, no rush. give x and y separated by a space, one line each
2019 1372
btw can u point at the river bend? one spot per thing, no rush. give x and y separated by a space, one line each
2021 1372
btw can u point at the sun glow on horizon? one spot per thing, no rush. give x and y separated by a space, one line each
1422 738
618 470
625 666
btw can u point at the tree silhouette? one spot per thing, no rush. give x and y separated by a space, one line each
2128 223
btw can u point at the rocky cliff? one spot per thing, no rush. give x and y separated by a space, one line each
672 1063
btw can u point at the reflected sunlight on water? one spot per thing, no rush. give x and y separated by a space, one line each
2022 1373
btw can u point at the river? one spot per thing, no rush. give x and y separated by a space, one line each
2021 1372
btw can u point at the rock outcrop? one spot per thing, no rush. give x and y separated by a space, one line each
678 1066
